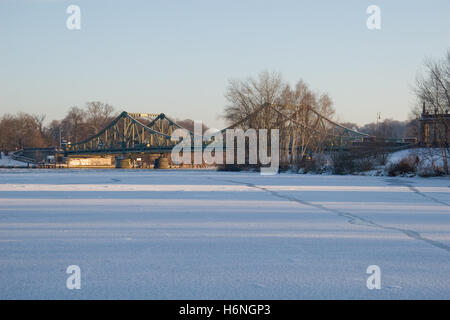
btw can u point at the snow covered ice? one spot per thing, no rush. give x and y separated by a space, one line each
221 235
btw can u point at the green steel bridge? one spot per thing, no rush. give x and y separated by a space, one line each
129 133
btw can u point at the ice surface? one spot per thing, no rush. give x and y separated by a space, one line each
221 235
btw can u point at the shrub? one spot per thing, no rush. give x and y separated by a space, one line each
363 164
284 167
343 163
429 171
229 167
310 165
405 166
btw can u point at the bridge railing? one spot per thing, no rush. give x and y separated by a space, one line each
16 155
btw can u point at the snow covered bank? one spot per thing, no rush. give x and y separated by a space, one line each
421 161
424 162
8 162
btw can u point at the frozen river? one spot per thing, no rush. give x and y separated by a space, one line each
221 235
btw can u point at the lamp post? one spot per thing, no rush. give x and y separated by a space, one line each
378 118
59 138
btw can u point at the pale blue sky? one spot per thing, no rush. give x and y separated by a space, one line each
177 56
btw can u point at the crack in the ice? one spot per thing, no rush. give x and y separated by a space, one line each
414 189
427 196
352 218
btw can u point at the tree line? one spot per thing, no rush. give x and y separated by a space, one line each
23 130
388 128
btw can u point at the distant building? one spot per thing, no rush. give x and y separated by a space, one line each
434 128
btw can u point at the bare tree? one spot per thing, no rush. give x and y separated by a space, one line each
21 130
294 111
8 133
98 115
72 124
245 97
54 133
189 124
433 89
39 120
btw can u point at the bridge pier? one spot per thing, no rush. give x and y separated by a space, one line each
158 160
123 163
162 162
